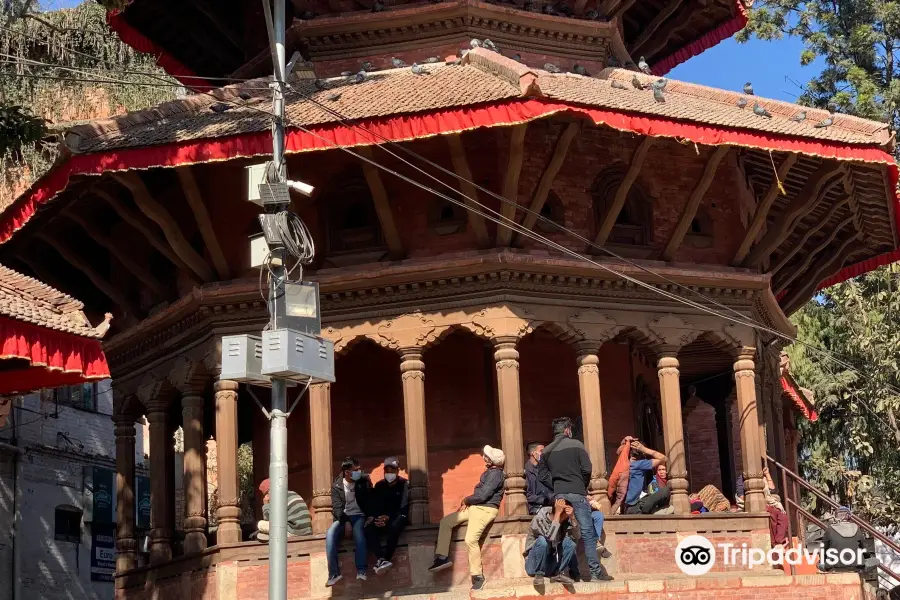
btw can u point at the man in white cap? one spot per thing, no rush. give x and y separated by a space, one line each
479 510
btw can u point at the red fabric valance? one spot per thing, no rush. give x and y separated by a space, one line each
799 401
409 127
54 357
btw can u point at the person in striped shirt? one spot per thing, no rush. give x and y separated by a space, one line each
299 521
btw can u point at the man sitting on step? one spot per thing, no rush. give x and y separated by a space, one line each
390 514
639 471
550 545
479 510
299 521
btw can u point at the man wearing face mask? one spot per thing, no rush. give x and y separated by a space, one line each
350 498
390 507
537 494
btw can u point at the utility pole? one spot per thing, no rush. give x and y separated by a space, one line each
278 469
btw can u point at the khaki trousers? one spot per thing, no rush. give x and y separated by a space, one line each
478 518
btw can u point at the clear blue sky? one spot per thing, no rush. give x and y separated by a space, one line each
727 65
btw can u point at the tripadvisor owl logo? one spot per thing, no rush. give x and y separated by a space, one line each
695 555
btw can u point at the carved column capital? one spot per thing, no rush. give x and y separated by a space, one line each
588 363
505 353
192 407
667 365
411 365
226 385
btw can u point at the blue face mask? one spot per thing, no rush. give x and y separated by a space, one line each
355 475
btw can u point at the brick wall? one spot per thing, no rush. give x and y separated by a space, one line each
701 438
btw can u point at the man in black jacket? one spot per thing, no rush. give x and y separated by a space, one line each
565 468
537 494
350 499
390 509
479 510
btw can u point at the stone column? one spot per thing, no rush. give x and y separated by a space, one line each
673 431
229 511
744 377
507 361
126 544
592 419
194 467
161 517
320 441
412 371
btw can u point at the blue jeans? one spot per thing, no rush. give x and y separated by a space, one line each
597 517
333 543
588 536
547 560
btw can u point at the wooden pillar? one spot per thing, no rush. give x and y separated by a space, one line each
320 441
673 431
412 371
194 467
126 544
506 358
161 516
744 377
229 511
592 419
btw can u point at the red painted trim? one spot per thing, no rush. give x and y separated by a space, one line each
409 127
704 42
54 357
137 40
801 402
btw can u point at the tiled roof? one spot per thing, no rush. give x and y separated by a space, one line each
30 301
483 77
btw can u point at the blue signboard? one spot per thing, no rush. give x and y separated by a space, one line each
103 552
142 502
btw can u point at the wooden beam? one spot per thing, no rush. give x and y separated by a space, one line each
637 161
612 8
763 209
658 42
660 18
41 273
815 228
511 182
111 291
468 189
143 227
382 205
204 223
579 7
693 203
817 187
553 167
139 270
824 267
815 252
153 209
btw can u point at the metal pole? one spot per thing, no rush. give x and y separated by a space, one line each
278 470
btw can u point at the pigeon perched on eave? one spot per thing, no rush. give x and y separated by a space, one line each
320 85
618 85
307 15
579 70
760 111
799 117
489 45
658 95
334 97
643 66
612 61
563 9
826 122
547 9
220 107
636 82
432 60
660 84
742 102
360 77
551 68
475 43
366 66
244 96
418 69
397 62
517 57
592 15
748 88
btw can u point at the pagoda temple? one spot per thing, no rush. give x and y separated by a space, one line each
451 331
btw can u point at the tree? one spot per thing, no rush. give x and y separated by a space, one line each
853 450
858 41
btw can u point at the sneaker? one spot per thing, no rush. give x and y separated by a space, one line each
538 578
440 563
563 579
478 582
333 580
602 551
382 565
603 575
361 575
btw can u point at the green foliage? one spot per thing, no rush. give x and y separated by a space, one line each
857 39
18 127
856 441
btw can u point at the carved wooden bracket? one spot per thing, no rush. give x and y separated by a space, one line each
189 376
408 331
672 332
595 326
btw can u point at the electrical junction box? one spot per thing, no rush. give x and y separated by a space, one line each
256 175
242 359
297 356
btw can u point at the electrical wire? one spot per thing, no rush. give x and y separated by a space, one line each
740 318
297 240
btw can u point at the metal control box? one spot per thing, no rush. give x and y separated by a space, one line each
297 356
242 357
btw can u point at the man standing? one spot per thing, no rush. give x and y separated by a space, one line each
390 507
639 471
299 521
479 510
537 494
350 496
566 468
550 545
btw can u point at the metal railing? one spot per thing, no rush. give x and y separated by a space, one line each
798 482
